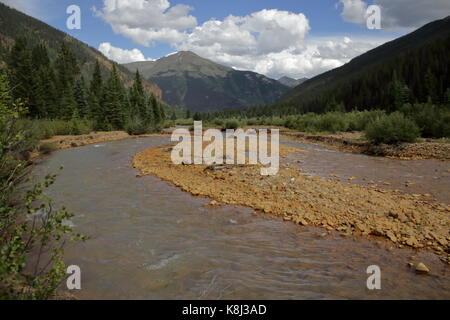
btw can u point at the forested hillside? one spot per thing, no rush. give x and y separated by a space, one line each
58 77
412 69
15 24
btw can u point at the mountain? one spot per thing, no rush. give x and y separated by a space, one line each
197 84
416 66
14 24
290 82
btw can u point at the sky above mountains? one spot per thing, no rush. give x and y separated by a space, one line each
295 38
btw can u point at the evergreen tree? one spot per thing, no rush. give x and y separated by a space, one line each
21 74
44 87
157 119
137 99
431 86
95 99
80 98
113 100
67 70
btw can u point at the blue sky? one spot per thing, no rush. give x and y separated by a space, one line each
310 37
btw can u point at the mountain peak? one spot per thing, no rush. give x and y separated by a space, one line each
290 82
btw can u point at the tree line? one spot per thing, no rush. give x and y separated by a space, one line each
58 90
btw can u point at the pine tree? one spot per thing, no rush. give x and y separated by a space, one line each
96 111
137 99
21 74
156 110
67 70
80 98
431 86
96 85
113 101
44 87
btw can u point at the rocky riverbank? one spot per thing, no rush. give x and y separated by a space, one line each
66 142
406 220
355 142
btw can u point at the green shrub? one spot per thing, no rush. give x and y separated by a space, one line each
392 129
433 121
332 122
32 231
231 124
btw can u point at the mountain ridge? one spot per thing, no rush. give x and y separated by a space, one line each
375 58
14 23
191 82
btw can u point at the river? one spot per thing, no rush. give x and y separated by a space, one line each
150 240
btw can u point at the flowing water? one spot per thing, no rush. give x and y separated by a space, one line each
150 240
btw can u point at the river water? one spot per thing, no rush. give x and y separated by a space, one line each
150 240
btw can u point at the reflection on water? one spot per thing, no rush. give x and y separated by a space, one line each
149 240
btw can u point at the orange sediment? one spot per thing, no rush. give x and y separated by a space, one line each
351 209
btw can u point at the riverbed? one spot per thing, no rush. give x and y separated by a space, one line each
150 240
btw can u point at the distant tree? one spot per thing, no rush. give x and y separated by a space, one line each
113 100
80 98
66 72
137 98
197 116
21 74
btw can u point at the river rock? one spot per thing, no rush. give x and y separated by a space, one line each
422 268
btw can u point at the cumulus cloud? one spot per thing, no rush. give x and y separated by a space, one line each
262 32
398 14
318 56
354 11
272 42
121 55
146 21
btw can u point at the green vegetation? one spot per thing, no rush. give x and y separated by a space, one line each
425 120
392 129
58 92
32 231
411 69
231 124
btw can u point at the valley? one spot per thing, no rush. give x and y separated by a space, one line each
108 158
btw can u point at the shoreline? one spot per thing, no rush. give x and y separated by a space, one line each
354 142
352 210
72 141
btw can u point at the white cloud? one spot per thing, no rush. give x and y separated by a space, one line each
354 11
272 42
262 32
146 21
318 56
121 55
398 14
